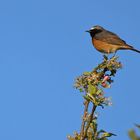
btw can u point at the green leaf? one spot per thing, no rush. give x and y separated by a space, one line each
101 131
99 91
87 73
92 89
80 89
132 135
106 134
86 97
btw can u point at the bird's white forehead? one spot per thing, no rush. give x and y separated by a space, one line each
92 28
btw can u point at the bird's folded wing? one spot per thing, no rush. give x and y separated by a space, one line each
110 38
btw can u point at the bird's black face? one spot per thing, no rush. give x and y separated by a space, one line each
94 30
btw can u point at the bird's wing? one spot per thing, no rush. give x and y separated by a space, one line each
110 38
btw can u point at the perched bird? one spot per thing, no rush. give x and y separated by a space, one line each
108 42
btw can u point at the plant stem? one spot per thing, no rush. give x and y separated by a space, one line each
86 103
90 121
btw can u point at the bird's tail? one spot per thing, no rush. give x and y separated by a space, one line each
128 47
133 49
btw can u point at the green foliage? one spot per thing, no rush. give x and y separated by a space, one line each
92 84
132 134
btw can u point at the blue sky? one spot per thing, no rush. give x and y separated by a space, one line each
44 47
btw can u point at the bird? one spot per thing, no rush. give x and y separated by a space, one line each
108 42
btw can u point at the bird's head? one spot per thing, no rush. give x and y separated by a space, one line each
94 30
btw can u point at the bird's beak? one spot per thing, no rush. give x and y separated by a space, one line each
88 31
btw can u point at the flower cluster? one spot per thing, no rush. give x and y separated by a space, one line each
92 83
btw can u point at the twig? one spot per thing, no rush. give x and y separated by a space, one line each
86 103
90 120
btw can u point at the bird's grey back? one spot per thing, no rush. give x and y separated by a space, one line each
109 37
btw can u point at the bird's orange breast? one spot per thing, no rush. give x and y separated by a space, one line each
104 47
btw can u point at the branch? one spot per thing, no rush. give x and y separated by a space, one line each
90 121
92 84
86 103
